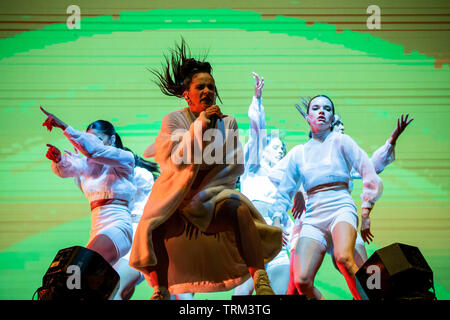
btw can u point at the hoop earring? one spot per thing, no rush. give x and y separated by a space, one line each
188 100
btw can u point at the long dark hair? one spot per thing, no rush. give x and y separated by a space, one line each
179 68
107 128
148 165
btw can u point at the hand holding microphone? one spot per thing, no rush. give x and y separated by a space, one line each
213 113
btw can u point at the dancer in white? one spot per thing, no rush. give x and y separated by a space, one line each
262 153
143 180
322 166
382 157
105 175
145 173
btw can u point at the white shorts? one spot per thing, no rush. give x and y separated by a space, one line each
114 221
324 210
127 256
280 259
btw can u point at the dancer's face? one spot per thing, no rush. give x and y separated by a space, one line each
339 127
107 140
320 114
273 152
201 93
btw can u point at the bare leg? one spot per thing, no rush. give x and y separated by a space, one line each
103 245
129 278
244 289
344 236
184 296
279 278
360 255
308 258
292 289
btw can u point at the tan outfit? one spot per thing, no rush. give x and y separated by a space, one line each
197 262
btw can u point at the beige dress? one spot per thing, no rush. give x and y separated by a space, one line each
197 262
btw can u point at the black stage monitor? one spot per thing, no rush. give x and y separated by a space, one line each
396 272
78 273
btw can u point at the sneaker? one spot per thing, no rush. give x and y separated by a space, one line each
261 283
163 294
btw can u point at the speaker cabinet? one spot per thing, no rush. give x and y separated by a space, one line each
78 273
396 272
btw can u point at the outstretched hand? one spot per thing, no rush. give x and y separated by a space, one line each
402 123
258 85
298 206
53 153
285 238
52 121
366 234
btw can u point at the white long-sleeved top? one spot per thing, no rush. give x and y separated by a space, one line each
315 163
143 180
255 183
105 172
381 158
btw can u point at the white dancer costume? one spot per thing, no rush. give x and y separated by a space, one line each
255 182
105 172
143 180
381 158
316 163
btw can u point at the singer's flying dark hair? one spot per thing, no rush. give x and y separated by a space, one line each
178 70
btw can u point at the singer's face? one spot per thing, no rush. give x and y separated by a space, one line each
201 93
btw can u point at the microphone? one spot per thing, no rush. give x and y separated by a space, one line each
214 117
214 120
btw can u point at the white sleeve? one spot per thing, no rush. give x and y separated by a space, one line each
253 149
143 180
93 148
277 171
69 166
175 144
289 185
381 158
358 159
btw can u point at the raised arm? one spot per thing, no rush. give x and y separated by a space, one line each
91 146
385 155
381 158
402 123
67 165
94 149
253 149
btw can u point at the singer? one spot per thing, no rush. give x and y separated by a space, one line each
197 234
